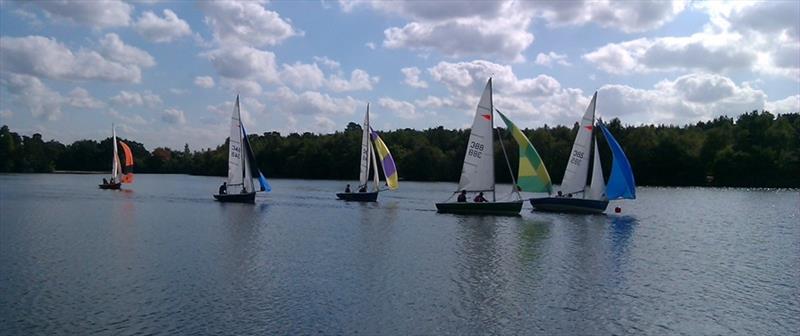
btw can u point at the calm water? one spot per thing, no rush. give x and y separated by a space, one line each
163 258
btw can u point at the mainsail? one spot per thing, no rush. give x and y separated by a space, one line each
365 151
239 166
578 165
620 183
532 175
387 162
116 170
477 174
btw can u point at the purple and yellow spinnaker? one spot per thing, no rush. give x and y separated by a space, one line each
389 168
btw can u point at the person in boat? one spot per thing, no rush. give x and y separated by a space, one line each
244 190
105 181
560 194
569 195
347 189
462 197
480 198
113 181
223 189
363 188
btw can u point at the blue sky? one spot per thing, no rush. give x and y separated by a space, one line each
167 72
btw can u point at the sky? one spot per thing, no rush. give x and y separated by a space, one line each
167 73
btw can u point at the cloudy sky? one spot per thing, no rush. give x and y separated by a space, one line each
167 72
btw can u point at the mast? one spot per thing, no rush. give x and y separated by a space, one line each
491 137
115 158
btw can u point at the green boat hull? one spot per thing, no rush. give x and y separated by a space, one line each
487 208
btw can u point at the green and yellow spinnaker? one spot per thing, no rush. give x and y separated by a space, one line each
532 175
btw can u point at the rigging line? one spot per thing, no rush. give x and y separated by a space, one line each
508 164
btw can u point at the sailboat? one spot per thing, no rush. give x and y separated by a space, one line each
574 195
477 173
362 193
241 165
119 173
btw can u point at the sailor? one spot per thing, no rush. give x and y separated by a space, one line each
105 181
462 197
223 189
347 189
480 198
363 188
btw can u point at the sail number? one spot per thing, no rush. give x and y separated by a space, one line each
235 151
475 149
577 157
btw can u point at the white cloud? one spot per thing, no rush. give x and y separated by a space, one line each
173 116
156 29
6 114
549 58
370 45
789 104
112 47
133 119
686 99
628 16
242 86
244 63
701 51
401 109
205 82
131 99
81 98
302 76
96 13
359 80
505 37
44 57
312 103
324 124
246 23
30 92
468 78
331 64
412 77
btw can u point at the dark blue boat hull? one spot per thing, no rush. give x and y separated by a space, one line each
487 208
236 198
358 196
571 205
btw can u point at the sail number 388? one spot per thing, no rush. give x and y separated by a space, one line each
577 157
475 149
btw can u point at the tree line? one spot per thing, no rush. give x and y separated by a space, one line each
757 149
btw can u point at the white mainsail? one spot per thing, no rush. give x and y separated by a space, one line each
477 173
239 174
365 149
116 168
597 190
578 165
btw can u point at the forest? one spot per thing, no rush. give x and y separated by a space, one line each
756 149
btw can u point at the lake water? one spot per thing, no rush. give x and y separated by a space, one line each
163 258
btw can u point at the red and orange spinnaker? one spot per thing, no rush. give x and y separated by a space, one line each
128 167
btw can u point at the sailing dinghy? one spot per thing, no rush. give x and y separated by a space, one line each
574 195
119 174
477 173
241 165
367 156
